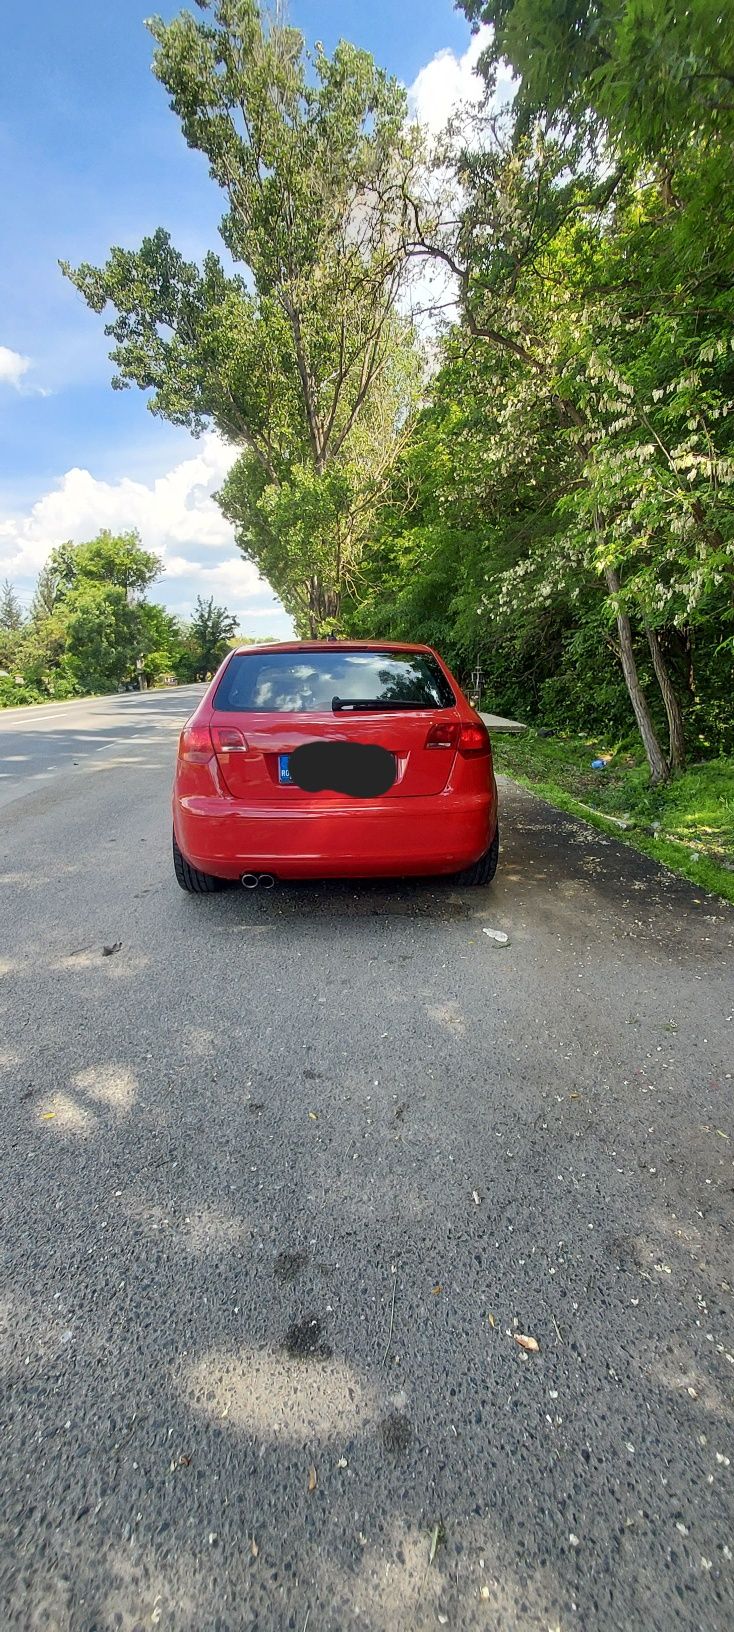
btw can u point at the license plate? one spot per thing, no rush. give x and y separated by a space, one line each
284 769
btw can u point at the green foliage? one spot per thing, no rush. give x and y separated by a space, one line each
207 639
564 515
91 628
12 693
11 611
95 632
103 635
163 644
688 824
50 584
302 359
646 72
40 652
106 559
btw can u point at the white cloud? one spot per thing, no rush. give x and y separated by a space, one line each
233 582
175 510
443 88
12 367
446 82
175 516
232 578
449 82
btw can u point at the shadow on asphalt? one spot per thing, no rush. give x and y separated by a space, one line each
550 865
260 1360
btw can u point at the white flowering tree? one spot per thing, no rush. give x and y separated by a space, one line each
600 296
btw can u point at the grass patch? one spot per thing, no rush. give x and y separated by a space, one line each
688 825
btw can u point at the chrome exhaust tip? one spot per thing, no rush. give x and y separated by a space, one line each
250 881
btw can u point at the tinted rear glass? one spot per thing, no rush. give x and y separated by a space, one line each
308 682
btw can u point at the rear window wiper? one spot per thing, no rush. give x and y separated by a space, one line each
339 704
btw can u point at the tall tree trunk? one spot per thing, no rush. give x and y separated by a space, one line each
314 608
659 770
676 728
684 642
322 604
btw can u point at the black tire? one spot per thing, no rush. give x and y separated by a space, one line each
483 870
190 879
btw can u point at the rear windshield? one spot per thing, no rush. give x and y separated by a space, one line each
314 682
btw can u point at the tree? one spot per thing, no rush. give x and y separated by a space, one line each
11 627
509 252
110 558
11 611
100 586
163 642
645 74
104 635
40 657
303 361
471 555
49 587
606 298
207 638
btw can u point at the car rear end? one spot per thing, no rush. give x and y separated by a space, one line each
238 808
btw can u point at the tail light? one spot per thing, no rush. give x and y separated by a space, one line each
228 740
474 741
471 740
444 734
195 744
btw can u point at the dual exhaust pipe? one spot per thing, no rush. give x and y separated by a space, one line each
250 881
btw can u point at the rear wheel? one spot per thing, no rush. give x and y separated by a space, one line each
190 879
483 870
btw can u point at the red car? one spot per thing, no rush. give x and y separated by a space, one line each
348 759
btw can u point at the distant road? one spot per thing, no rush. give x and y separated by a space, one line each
39 742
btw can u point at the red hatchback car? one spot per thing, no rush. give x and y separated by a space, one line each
323 759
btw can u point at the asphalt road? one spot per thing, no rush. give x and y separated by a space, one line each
283 1180
37 743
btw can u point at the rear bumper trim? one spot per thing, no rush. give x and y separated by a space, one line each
435 834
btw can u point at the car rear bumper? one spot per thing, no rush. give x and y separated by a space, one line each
440 833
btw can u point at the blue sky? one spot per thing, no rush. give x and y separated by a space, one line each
90 155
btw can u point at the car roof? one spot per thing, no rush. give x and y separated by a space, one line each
328 646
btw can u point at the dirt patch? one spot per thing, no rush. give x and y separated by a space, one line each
288 1265
303 1340
395 1433
627 1254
